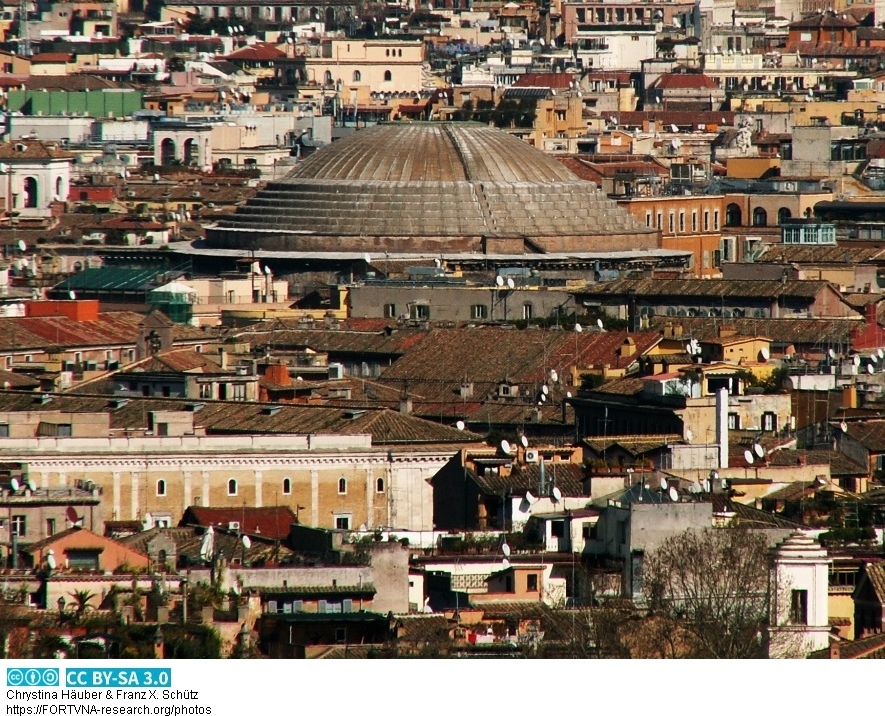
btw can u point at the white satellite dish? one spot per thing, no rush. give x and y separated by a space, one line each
765 353
579 328
843 426
689 435
545 390
714 475
832 354
880 353
32 486
759 450
524 440
510 283
543 397
871 368
437 263
856 360
460 425
72 295
748 456
499 281
674 496
230 30
247 543
674 128
505 447
50 561
241 28
530 498
554 376
22 246
663 483
705 485
599 323
505 548
568 394
505 563
556 494
13 483
267 270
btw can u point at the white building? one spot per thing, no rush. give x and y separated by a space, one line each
34 174
800 586
607 47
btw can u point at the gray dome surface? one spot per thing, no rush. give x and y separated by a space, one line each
417 187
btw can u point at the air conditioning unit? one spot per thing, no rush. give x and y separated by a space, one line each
531 456
233 526
336 371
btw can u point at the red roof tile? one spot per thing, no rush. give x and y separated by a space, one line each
272 522
684 81
259 52
551 80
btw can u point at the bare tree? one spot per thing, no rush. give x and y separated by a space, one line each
712 587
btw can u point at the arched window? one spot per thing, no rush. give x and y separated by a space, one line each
732 215
379 485
32 196
760 217
59 189
387 53
167 151
357 76
231 487
161 488
782 214
327 78
342 486
399 53
287 486
388 75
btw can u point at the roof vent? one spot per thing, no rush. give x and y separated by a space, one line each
195 407
42 399
271 409
353 414
119 403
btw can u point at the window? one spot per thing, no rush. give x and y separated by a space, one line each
681 222
557 529
672 222
478 311
161 488
531 582
357 76
706 259
390 310
733 215
706 221
232 487
527 311
50 527
760 217
694 221
379 485
660 221
769 422
340 635
342 522
4 430
799 606
238 391
734 421
419 312
388 76
716 220
783 214
162 429
342 486
327 78
19 525
63 430
82 558
206 390
287 486
648 219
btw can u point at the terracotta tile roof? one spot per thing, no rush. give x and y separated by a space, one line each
792 492
51 58
869 433
259 52
185 360
684 80
622 386
666 117
8 379
799 331
422 628
840 464
550 80
284 335
271 522
875 573
871 647
565 475
636 445
704 288
74 83
188 541
842 255
31 149
750 517
824 21
240 418
832 49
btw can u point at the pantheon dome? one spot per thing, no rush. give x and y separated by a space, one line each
431 188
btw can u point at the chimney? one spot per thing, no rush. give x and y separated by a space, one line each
628 348
849 396
835 649
802 460
222 358
278 373
405 405
677 331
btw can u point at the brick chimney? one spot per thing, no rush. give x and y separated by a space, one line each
278 373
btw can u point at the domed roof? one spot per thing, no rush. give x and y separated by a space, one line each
431 187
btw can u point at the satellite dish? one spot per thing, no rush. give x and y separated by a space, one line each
505 563
50 561
505 447
437 263
674 128
545 390
674 496
13 483
530 498
32 486
765 353
663 483
568 394
505 548
460 425
499 281
714 475
22 246
705 485
689 435
748 456
510 283
543 397
856 360
843 426
554 376
880 353
230 30
241 29
556 494
579 328
72 295
832 354
871 368
524 440
72 515
759 450
246 542
267 270
599 323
